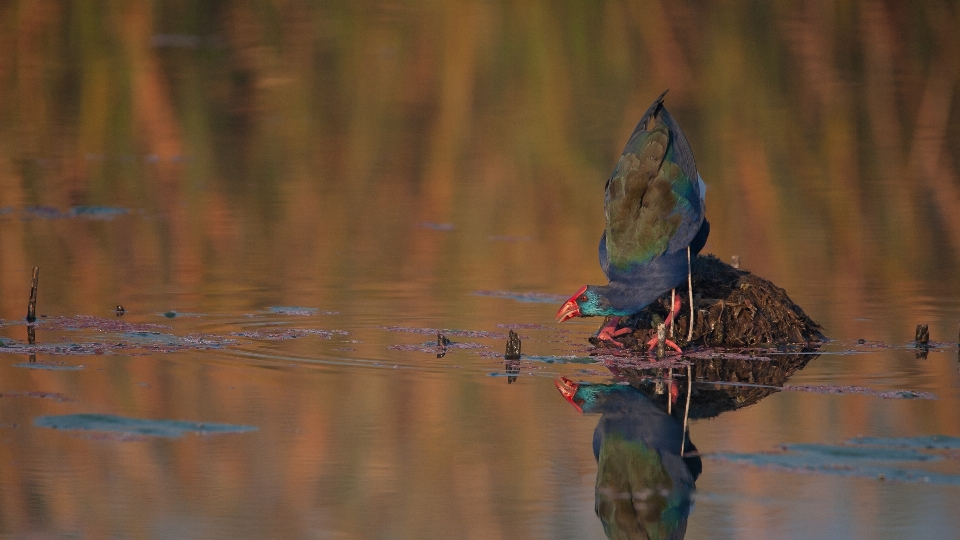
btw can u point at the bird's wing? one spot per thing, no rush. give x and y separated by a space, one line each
653 198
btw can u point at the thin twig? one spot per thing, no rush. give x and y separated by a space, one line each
669 390
690 288
686 413
673 302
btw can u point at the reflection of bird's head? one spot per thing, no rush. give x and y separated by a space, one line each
589 397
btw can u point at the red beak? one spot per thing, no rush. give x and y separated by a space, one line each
570 309
567 389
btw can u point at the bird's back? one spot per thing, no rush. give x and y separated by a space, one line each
654 204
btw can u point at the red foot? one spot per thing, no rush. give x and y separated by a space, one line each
609 332
653 343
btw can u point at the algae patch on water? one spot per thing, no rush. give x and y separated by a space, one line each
47 366
135 426
885 459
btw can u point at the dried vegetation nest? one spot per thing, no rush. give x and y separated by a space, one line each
734 308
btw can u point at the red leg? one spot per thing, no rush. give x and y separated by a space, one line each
673 311
609 332
653 343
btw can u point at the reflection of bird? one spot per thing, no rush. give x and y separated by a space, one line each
654 209
643 485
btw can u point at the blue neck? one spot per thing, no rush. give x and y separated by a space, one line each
627 296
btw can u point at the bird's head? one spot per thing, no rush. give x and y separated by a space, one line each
588 302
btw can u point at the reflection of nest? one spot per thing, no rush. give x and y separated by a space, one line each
758 379
734 308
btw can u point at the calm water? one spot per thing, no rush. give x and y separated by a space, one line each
288 201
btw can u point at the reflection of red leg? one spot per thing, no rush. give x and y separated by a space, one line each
609 332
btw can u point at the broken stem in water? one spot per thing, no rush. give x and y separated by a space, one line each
32 312
442 343
32 305
513 346
922 335
661 341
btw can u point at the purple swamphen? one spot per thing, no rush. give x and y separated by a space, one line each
655 223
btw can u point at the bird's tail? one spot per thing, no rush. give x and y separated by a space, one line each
652 111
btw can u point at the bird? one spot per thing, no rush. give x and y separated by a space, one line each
645 480
656 223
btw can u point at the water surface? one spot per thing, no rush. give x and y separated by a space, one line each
290 201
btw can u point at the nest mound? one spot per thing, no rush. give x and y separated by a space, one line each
733 308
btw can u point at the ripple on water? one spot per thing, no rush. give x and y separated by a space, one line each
289 333
432 348
446 332
942 442
299 311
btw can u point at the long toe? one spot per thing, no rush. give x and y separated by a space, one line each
608 333
653 343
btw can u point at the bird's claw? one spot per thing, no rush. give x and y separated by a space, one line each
653 343
609 332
